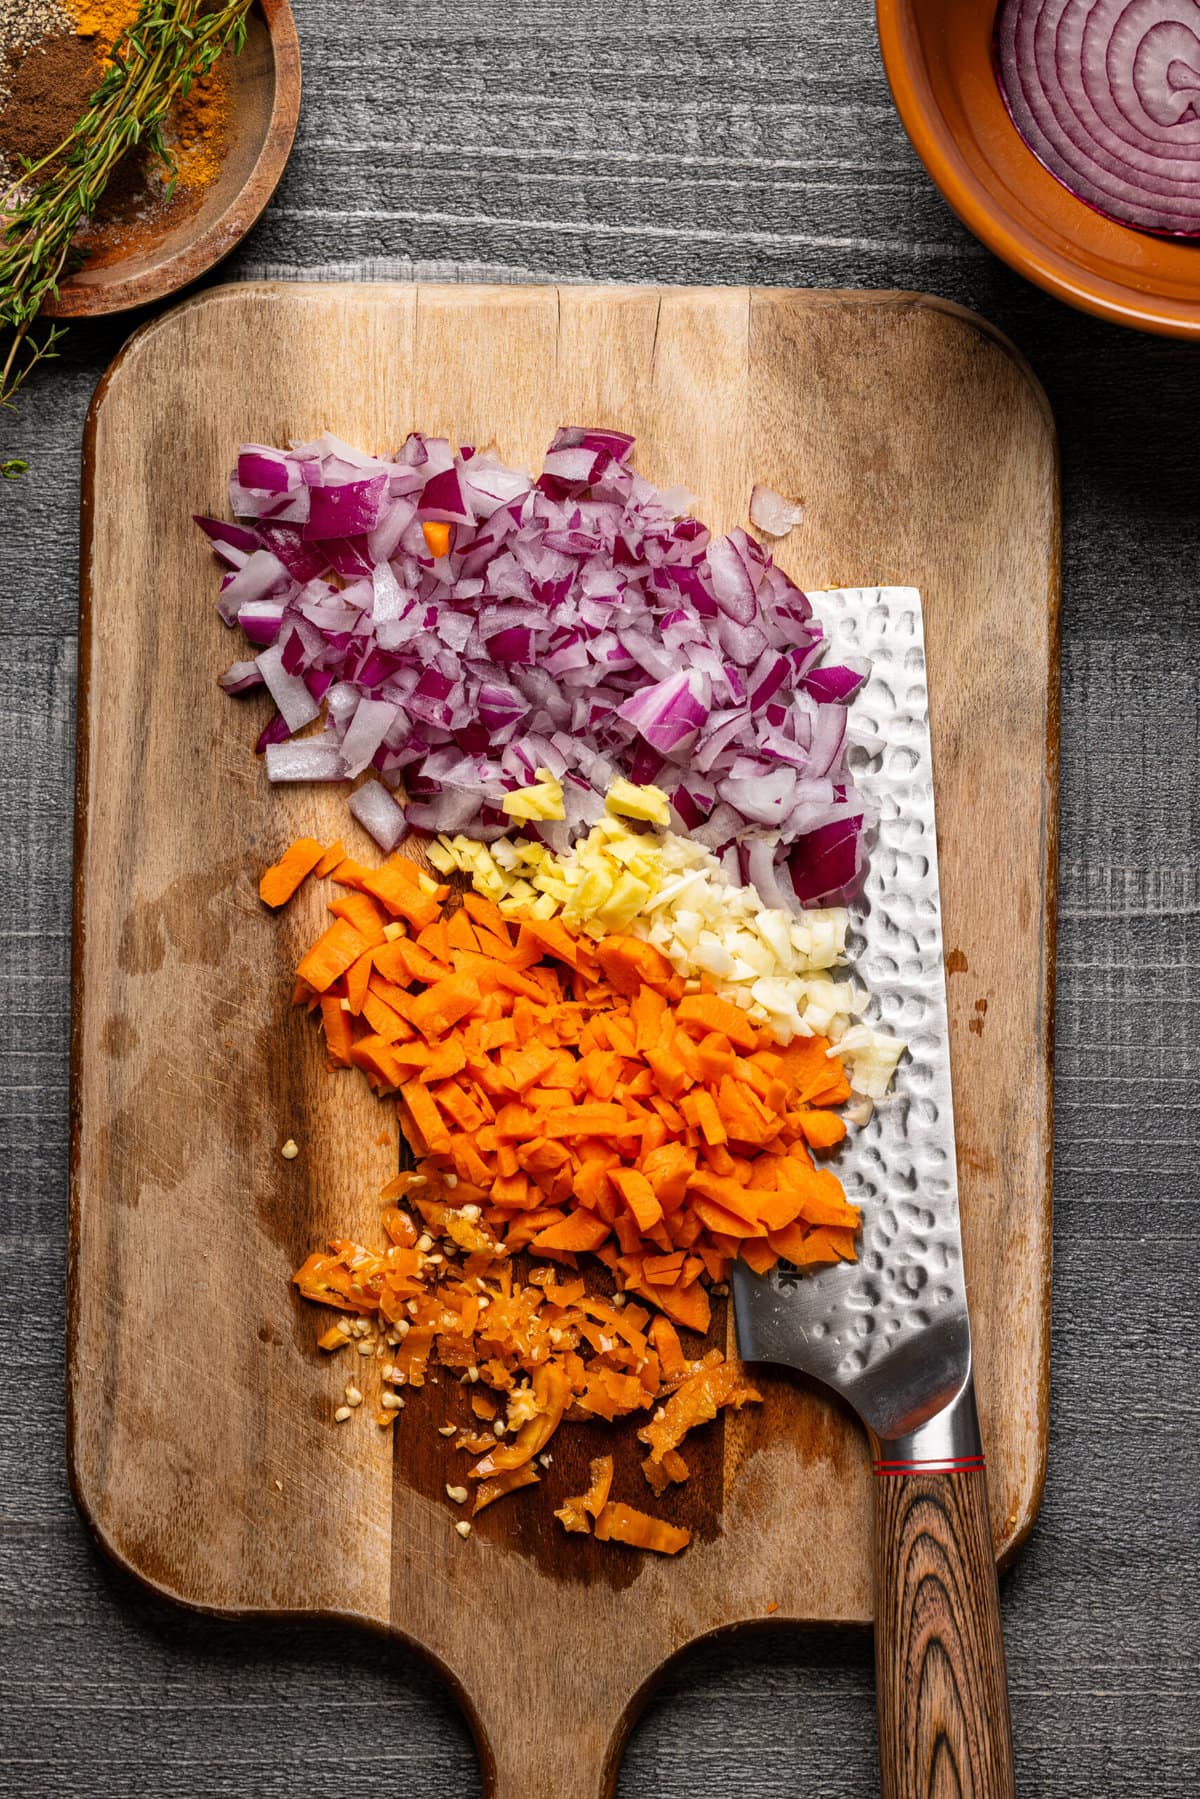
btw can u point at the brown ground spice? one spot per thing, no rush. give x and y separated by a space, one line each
24 23
49 87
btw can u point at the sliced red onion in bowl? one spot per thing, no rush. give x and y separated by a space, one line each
1106 93
577 623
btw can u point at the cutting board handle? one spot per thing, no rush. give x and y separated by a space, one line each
944 1728
562 1740
564 1774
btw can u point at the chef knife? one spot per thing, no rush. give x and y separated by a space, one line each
891 1332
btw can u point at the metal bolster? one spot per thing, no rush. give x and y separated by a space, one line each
947 1443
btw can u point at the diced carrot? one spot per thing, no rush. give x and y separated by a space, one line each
824 1202
486 913
441 1006
586 1121
663 1271
378 1062
437 536
669 1169
639 1196
397 884
446 1059
704 1012
404 961
339 1032
688 1304
349 873
333 855
291 871
579 1231
759 1255
600 1070
460 933
822 1129
631 965
715 1055
425 1116
435 940
552 939
468 1163
839 1241
700 1110
331 955
386 1023
360 910
358 976
671 1077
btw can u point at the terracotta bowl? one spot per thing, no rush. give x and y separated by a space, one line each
265 82
937 54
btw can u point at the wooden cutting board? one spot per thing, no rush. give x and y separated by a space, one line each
202 1448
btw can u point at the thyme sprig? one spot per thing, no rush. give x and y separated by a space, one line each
169 46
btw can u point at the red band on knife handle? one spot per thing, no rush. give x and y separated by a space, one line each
955 1464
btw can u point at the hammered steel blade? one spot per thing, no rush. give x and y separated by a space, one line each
889 1332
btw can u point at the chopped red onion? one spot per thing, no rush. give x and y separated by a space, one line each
311 759
836 683
261 620
377 812
261 574
233 543
577 623
266 469
296 705
826 863
241 677
773 513
370 725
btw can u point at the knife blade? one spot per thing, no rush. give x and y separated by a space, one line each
891 1333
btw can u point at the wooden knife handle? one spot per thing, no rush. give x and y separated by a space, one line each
944 1729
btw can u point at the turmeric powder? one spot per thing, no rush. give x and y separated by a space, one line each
105 19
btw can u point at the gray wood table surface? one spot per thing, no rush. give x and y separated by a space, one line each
675 141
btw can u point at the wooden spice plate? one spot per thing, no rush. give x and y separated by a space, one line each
264 86
201 1445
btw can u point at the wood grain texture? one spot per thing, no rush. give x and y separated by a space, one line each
264 85
939 1655
927 456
